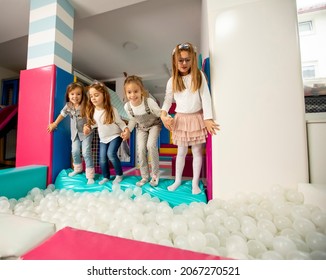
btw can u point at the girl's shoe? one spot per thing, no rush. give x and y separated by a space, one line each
103 181
117 179
90 181
154 181
73 173
142 182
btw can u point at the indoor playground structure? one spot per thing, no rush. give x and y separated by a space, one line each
43 162
61 214
260 156
36 147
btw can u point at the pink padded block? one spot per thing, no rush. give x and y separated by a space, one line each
73 244
209 167
34 143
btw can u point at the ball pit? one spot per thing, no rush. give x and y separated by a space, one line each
275 225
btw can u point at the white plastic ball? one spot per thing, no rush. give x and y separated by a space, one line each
298 255
196 240
282 222
179 227
235 243
303 226
283 245
255 248
271 255
318 255
232 224
212 240
316 241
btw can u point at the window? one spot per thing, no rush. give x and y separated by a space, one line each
305 27
308 71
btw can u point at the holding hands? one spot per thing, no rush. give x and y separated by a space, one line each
125 135
168 122
86 129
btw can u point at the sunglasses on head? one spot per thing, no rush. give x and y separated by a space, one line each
183 47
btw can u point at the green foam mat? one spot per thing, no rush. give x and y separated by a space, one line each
16 182
182 195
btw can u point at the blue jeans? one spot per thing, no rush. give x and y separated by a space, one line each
86 146
109 152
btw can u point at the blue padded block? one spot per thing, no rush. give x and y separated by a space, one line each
61 149
181 195
18 181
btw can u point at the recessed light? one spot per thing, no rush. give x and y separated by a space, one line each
130 46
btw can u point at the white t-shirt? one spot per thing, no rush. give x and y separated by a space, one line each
141 110
187 101
107 132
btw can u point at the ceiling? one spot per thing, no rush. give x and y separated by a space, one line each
149 30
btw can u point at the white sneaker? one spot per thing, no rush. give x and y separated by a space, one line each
103 181
142 182
73 173
154 181
117 179
90 181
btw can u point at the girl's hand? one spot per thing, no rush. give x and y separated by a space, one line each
125 135
86 129
51 127
168 122
211 126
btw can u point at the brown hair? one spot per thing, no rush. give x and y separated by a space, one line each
138 81
83 101
196 78
108 108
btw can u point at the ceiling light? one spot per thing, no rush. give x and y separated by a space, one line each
130 46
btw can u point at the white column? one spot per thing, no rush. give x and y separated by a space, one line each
50 38
258 96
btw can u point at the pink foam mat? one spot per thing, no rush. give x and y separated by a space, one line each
73 244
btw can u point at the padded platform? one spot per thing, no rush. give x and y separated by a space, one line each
17 182
181 195
73 244
19 235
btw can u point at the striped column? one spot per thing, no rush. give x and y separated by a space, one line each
50 38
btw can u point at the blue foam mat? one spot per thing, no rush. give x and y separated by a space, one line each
182 195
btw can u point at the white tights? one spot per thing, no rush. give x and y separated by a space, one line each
196 167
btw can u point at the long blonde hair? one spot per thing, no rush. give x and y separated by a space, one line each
108 108
196 78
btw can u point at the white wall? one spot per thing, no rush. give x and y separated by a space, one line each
204 37
257 93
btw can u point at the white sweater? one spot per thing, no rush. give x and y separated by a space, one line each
107 132
187 101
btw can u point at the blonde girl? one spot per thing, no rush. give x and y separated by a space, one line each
144 114
76 100
194 114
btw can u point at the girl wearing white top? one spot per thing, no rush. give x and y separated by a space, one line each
102 114
144 114
194 114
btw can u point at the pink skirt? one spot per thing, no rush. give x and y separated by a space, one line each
189 129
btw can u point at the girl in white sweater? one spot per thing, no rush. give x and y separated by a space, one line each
101 114
194 114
